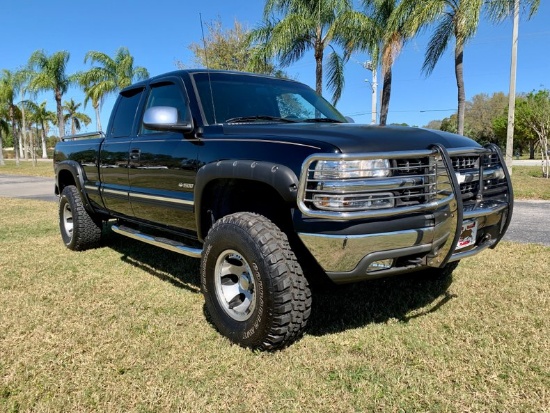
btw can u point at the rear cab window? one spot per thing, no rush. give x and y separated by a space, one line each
125 113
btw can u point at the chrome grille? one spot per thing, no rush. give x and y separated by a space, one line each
416 181
468 169
465 163
494 179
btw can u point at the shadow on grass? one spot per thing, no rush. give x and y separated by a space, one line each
378 301
336 308
176 269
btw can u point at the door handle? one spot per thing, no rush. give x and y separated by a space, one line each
135 154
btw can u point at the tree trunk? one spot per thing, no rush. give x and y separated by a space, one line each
21 142
386 94
60 121
24 144
97 117
14 133
43 142
319 72
2 163
33 149
531 149
459 72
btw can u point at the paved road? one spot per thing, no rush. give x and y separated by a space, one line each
27 187
530 222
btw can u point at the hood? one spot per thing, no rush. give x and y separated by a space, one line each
349 137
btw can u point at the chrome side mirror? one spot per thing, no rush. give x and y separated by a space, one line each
164 118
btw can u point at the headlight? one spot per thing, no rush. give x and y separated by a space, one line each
346 203
371 168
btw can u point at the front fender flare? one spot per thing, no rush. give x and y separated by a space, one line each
279 177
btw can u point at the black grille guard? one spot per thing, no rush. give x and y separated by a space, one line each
450 209
449 248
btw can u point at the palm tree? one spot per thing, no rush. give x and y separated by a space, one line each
109 76
74 116
50 75
499 10
305 25
42 117
95 92
379 32
453 18
4 130
9 85
24 77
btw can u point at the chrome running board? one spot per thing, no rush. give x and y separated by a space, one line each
165 243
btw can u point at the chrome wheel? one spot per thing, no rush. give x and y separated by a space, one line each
235 285
67 220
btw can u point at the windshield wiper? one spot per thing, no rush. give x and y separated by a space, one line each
322 120
245 119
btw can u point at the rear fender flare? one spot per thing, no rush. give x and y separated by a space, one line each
78 175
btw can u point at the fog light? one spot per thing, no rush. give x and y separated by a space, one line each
380 265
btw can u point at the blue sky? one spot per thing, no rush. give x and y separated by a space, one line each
158 34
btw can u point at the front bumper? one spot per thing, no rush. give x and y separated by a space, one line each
445 236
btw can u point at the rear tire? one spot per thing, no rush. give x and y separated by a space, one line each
254 289
78 229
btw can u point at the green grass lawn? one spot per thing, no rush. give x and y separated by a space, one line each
121 328
528 183
42 168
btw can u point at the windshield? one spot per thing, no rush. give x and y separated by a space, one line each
243 98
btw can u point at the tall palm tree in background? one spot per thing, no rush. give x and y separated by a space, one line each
74 116
109 75
305 25
42 117
379 32
4 130
9 86
94 91
391 39
499 10
50 74
24 78
453 18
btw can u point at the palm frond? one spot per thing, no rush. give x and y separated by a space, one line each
335 76
500 10
438 43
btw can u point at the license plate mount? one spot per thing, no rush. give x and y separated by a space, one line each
468 234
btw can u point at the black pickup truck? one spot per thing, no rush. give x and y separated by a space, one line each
273 189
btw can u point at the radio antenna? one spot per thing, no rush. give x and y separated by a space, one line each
208 70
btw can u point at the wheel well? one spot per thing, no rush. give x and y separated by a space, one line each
64 178
222 197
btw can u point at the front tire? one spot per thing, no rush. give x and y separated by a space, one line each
78 229
255 291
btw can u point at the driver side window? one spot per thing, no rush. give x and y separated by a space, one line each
167 94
